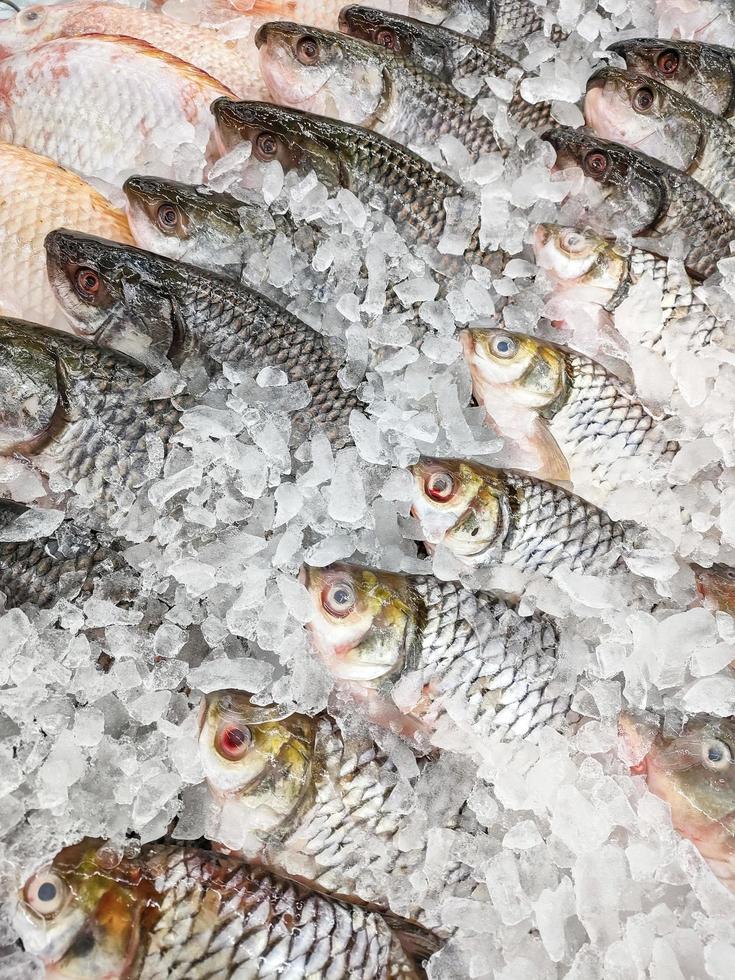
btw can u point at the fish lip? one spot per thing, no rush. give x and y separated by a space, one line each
630 727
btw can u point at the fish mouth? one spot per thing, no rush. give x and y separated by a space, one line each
636 737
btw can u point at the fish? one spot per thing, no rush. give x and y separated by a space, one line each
629 190
465 654
716 586
580 422
588 272
95 910
692 769
449 55
228 60
640 112
64 565
120 294
698 20
291 791
365 84
702 72
376 169
78 415
36 196
488 516
63 99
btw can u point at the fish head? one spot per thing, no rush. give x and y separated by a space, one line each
297 140
364 620
716 585
702 72
578 257
256 759
183 221
693 770
461 504
81 913
34 384
322 71
621 187
30 26
641 112
421 43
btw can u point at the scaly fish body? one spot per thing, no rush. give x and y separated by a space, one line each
693 770
640 112
37 195
229 61
296 792
702 72
107 107
632 192
75 413
468 652
179 912
447 54
62 565
374 168
489 516
588 272
184 309
578 419
365 84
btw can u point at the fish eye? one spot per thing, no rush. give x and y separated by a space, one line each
596 163
266 145
167 217
30 16
439 486
88 283
233 741
504 346
339 599
668 62
387 38
572 241
307 50
716 754
643 99
46 893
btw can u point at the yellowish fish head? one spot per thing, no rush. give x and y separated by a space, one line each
30 26
364 620
578 257
255 758
82 913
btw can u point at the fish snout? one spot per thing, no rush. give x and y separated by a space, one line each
636 735
261 36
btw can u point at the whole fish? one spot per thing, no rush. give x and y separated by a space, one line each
716 585
180 912
702 72
466 654
63 99
37 195
693 770
589 273
377 170
578 420
77 414
186 309
450 56
641 112
229 61
289 791
365 84
631 191
488 516
61 565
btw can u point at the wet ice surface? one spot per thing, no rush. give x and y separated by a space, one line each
579 872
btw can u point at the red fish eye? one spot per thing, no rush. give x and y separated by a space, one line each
267 145
595 163
386 37
643 99
167 216
668 62
440 486
307 50
339 599
88 282
233 742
